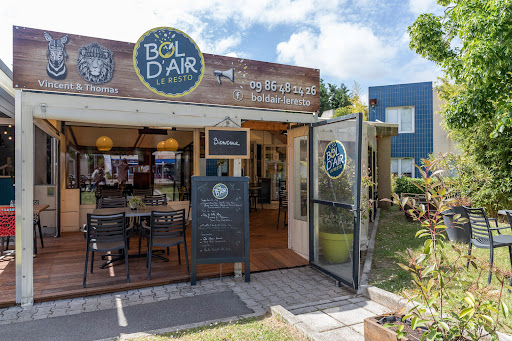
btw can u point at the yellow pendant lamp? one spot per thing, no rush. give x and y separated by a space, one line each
160 146
104 143
171 145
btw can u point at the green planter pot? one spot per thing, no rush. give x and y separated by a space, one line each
336 247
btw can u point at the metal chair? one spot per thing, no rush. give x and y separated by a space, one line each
167 229
114 202
139 192
106 233
150 200
255 195
481 235
155 200
283 206
111 202
37 224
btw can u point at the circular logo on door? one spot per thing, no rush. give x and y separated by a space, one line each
335 158
168 62
220 191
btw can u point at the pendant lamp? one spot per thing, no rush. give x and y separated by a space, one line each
160 146
171 145
104 143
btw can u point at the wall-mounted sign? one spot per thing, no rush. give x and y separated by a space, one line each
227 143
335 158
220 222
159 67
168 62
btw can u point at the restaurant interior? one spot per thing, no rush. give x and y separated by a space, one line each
78 165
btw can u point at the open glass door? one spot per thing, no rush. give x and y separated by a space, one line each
335 197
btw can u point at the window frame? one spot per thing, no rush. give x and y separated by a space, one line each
399 115
400 159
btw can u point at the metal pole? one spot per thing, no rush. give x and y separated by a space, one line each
24 181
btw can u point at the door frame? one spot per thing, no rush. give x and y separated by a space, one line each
295 225
355 208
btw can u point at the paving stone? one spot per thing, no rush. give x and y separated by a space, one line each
308 309
349 314
345 334
358 328
318 321
373 307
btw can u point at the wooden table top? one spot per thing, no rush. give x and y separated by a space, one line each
141 212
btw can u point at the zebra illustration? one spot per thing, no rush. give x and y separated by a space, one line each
57 56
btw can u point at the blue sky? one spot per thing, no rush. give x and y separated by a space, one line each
348 40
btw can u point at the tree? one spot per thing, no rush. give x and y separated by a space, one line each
356 104
324 98
333 97
472 41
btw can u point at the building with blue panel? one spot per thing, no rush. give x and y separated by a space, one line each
411 106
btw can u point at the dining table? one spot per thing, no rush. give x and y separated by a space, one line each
133 213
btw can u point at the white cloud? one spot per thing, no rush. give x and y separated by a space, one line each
342 50
418 7
126 20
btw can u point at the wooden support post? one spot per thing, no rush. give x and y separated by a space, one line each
197 153
24 171
237 171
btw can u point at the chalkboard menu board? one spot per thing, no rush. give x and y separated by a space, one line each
220 221
227 143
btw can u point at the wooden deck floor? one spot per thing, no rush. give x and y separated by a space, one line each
58 268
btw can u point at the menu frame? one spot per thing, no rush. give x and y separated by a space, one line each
197 210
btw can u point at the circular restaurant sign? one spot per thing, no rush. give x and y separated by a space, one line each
168 62
335 158
220 191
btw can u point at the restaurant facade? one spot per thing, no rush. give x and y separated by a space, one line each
84 105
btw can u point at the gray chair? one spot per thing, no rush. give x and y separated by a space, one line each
167 229
481 235
155 200
37 224
150 200
111 202
106 233
139 192
283 207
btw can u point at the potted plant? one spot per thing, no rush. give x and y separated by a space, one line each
456 176
445 303
458 228
135 203
335 228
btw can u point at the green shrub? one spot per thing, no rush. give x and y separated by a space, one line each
409 185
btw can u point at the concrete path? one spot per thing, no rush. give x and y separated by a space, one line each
129 312
340 318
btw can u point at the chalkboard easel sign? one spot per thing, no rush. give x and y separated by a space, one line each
220 221
227 143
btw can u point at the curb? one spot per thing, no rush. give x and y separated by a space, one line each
284 315
257 313
369 256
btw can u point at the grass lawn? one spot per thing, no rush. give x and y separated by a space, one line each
395 233
263 328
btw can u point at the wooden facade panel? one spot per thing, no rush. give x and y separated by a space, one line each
30 62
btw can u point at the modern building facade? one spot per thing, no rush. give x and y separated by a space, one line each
414 107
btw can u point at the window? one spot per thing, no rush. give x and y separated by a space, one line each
404 116
403 167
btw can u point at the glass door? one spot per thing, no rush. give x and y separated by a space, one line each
335 197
